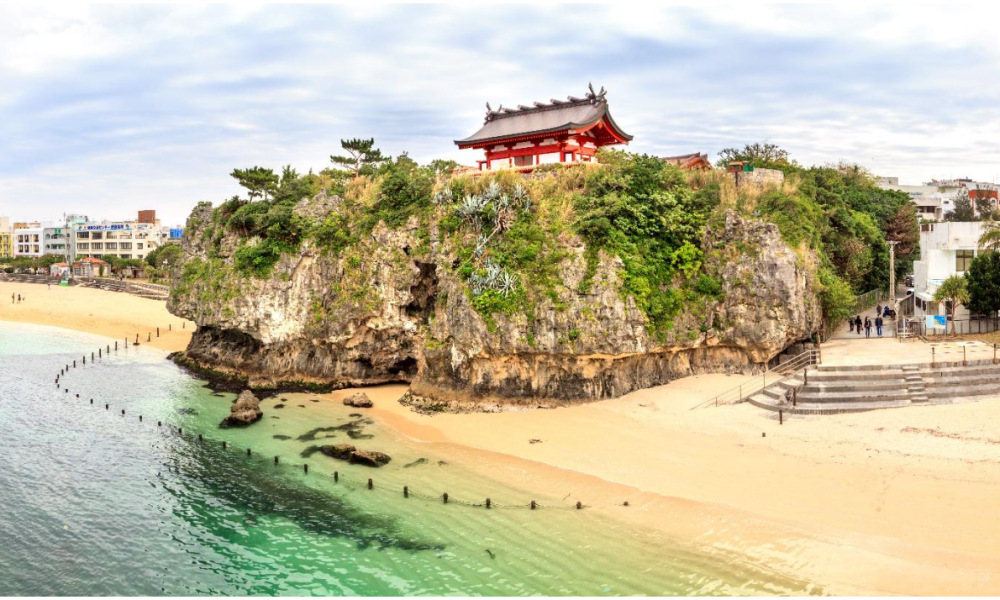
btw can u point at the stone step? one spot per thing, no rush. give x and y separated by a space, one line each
959 392
965 380
806 408
844 386
859 395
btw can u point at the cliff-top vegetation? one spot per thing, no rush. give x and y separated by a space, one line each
507 235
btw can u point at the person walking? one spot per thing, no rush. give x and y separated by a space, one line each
857 324
850 323
868 327
878 309
878 325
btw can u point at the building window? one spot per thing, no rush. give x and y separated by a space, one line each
963 258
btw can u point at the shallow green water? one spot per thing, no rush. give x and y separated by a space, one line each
94 502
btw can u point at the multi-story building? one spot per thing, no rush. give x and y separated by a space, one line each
937 197
28 239
120 239
946 249
6 238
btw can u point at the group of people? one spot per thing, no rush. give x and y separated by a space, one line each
855 323
19 298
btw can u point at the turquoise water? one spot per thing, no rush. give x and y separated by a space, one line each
97 503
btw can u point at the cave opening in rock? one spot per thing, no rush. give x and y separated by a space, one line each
423 291
406 368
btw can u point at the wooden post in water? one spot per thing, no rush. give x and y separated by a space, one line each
248 451
406 491
305 468
445 497
533 505
371 484
223 445
781 417
157 332
336 476
275 460
579 505
488 503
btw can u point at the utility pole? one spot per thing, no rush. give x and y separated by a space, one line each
892 275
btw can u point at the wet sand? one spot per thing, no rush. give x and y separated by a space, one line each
887 502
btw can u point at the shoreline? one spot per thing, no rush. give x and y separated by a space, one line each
887 502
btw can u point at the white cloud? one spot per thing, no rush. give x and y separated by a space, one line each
107 110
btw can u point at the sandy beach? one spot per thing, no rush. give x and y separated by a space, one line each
887 502
112 314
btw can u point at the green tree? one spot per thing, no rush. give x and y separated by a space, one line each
990 240
165 255
442 166
904 227
258 181
953 291
963 211
288 174
362 156
983 280
759 154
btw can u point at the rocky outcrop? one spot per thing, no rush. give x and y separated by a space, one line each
245 411
392 308
359 400
348 452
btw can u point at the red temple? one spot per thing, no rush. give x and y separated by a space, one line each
562 131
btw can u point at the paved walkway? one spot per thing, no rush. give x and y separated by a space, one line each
844 332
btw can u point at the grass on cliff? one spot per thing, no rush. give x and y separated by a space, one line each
649 215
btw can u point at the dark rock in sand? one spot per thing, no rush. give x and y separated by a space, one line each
354 415
310 451
351 454
340 451
369 458
279 406
245 410
419 461
313 400
359 400
281 437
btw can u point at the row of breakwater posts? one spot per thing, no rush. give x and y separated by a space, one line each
338 478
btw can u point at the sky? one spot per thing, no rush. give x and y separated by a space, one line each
108 110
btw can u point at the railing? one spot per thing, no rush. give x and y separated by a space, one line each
757 383
918 326
861 304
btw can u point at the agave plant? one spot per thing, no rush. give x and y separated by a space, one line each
493 191
443 197
254 241
492 272
507 283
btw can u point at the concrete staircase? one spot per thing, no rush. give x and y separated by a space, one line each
830 390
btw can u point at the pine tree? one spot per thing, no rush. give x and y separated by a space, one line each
258 181
363 156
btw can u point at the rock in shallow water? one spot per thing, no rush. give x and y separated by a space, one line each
351 454
359 400
245 410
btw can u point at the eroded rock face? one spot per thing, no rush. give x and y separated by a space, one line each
381 311
245 411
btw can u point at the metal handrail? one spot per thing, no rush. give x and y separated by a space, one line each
759 382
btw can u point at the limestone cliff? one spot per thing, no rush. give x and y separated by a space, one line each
392 307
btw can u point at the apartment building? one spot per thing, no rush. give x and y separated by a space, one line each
936 198
28 239
946 249
121 239
6 238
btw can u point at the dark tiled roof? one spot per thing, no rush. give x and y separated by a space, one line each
551 117
687 161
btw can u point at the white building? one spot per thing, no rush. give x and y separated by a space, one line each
28 240
936 198
946 249
122 239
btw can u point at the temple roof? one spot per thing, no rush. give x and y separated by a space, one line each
696 160
541 118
